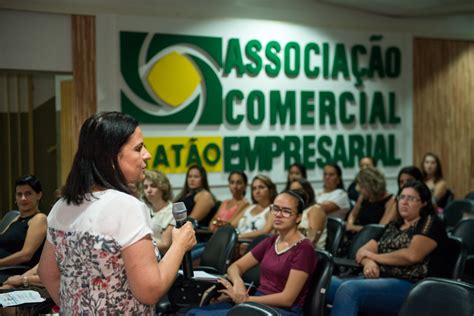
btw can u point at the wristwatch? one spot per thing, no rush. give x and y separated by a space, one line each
25 281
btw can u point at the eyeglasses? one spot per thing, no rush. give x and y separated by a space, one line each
408 198
285 212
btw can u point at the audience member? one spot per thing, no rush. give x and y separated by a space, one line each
157 194
404 175
21 243
433 178
231 207
332 199
364 162
372 203
99 256
295 172
197 196
313 219
255 219
393 264
287 261
26 280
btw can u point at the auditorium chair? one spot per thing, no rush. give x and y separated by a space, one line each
439 297
7 219
455 211
252 276
448 262
470 196
335 231
465 231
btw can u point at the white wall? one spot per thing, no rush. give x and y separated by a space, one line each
35 41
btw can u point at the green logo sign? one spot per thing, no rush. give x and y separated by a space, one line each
171 78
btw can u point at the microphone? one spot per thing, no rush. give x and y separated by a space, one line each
180 215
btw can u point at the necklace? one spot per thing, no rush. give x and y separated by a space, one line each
279 252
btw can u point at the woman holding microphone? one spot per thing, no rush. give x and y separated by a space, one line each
99 257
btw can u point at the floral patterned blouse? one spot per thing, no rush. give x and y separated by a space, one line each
88 241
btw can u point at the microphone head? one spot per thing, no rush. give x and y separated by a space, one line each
180 213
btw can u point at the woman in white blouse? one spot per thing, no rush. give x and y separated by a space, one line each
333 199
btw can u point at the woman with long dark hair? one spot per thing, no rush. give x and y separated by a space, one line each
99 257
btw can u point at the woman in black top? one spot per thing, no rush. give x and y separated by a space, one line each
21 243
392 264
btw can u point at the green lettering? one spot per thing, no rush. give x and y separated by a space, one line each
279 110
344 98
238 96
314 71
309 151
291 147
252 50
212 154
340 62
377 111
327 107
356 149
177 153
307 107
295 47
193 156
233 58
392 115
323 143
393 61
271 52
256 117
160 157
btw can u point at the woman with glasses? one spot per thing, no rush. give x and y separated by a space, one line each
395 262
287 261
21 243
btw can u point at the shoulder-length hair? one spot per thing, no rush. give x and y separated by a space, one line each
204 183
338 172
96 161
373 181
161 181
268 183
438 171
242 175
300 167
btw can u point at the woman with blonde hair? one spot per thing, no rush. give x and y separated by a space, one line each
157 195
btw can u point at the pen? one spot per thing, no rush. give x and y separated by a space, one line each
250 286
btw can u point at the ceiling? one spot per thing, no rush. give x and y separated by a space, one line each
392 8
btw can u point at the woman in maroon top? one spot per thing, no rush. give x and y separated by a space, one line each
287 261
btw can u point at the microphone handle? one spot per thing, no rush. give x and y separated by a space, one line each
187 264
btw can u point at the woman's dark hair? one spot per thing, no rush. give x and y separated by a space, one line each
95 163
309 191
438 171
300 167
268 183
204 183
425 196
412 171
242 175
299 196
30 180
338 172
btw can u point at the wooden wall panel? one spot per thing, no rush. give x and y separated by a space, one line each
443 110
83 89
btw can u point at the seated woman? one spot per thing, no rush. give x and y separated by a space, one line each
255 219
157 196
405 174
364 162
372 202
393 264
28 279
313 220
295 172
332 199
287 261
231 207
433 178
197 196
22 242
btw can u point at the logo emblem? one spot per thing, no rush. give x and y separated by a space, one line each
171 79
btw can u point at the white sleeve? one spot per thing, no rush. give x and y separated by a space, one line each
340 198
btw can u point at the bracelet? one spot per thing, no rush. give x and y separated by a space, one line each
25 281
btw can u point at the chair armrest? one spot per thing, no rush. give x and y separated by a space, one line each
346 262
207 269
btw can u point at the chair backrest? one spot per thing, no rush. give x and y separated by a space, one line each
448 262
455 210
465 231
470 196
335 228
7 219
316 297
219 249
372 231
252 309
439 297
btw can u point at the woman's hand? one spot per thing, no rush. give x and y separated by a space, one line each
363 253
371 269
236 292
185 236
14 281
